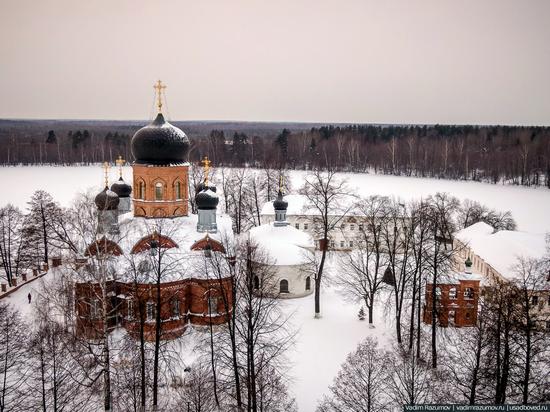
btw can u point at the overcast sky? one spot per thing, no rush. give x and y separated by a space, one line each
466 61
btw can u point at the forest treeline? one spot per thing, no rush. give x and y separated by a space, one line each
497 154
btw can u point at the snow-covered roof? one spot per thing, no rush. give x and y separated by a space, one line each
178 262
285 245
454 277
502 249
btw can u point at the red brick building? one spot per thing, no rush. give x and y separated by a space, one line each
192 291
184 302
457 298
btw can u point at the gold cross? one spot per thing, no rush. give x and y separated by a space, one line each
206 164
106 169
120 162
159 87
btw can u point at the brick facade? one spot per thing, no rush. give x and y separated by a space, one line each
183 302
150 201
457 303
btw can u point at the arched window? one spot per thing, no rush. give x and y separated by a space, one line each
283 286
141 190
256 282
213 305
178 190
158 191
308 283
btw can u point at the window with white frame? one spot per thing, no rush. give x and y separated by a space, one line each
342 244
468 293
452 293
297 225
306 226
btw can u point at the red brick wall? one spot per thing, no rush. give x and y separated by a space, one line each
167 175
192 295
465 309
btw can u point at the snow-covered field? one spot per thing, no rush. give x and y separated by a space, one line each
529 206
322 344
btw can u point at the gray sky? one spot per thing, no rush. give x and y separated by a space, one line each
455 61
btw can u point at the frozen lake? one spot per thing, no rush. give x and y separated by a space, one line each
529 206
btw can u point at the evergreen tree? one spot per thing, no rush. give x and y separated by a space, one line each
52 138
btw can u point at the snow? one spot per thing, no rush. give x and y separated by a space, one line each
503 248
322 344
529 206
285 245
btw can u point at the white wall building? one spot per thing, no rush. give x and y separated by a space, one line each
306 219
495 256
289 251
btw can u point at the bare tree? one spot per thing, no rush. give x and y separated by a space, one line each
251 370
326 195
362 384
11 244
361 269
13 359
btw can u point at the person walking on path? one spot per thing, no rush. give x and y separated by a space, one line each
30 297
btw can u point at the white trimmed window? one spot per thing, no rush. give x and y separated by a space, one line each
452 293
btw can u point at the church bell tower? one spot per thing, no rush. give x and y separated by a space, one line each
161 167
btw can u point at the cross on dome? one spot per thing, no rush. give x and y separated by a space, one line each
159 87
120 162
106 168
206 165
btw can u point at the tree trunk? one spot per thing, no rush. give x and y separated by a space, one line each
318 281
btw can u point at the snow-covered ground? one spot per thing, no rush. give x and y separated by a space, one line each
321 344
529 206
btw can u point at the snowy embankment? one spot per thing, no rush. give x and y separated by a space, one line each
529 206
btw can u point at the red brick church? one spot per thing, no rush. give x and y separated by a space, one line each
149 249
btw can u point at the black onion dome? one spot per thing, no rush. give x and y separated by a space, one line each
121 188
106 200
201 186
160 143
280 203
207 198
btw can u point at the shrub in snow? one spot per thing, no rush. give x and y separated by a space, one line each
361 314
